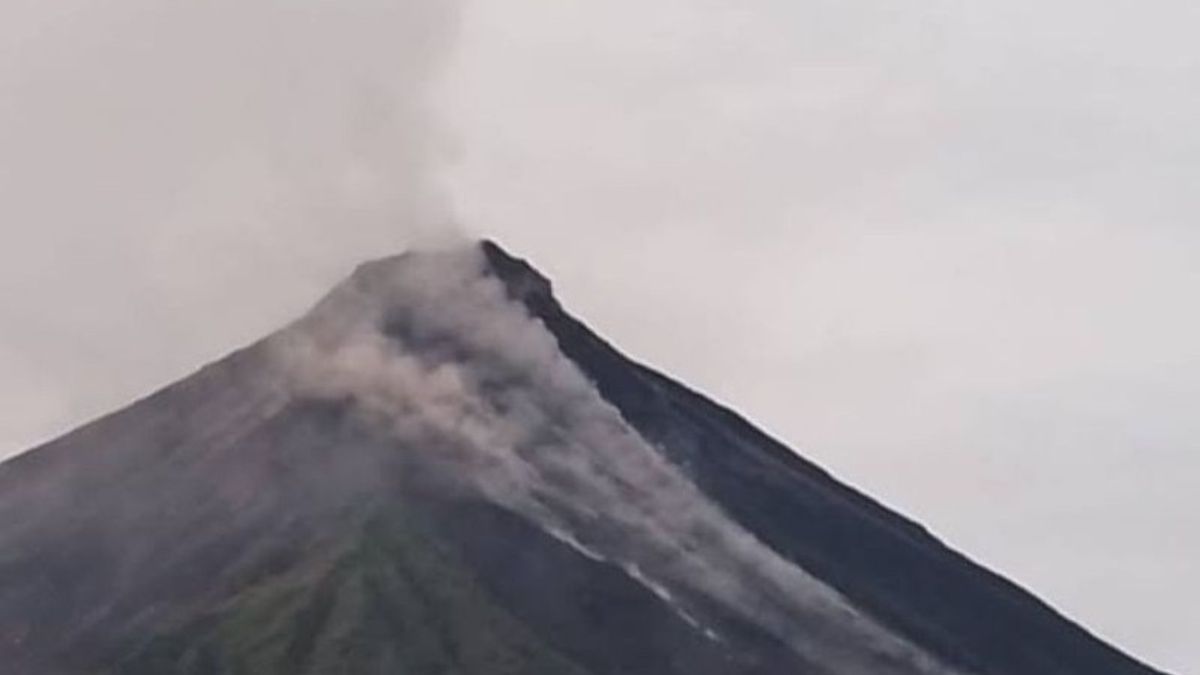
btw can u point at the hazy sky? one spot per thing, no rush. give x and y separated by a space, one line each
950 252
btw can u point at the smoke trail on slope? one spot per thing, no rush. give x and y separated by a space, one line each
430 346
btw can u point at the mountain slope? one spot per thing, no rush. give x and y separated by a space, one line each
438 470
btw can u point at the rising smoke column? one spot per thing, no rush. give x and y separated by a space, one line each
159 158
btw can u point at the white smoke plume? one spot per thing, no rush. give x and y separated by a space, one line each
160 158
430 346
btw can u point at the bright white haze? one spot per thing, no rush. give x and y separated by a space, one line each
948 250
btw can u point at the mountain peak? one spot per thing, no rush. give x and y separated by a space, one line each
524 283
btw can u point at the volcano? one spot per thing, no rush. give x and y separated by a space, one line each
438 470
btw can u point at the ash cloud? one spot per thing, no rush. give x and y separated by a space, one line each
430 347
178 155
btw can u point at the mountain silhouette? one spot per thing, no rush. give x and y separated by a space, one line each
438 470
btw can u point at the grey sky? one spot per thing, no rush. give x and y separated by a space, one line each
948 252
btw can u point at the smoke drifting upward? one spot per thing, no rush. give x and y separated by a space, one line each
251 149
430 348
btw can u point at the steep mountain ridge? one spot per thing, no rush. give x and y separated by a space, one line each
439 470
892 566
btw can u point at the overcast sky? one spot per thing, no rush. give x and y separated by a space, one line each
951 253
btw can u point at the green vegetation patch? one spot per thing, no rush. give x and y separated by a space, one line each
388 599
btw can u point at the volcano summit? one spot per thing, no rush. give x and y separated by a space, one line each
438 470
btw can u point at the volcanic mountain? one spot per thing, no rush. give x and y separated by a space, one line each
438 470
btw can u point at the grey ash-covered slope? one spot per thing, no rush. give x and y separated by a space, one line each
439 470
